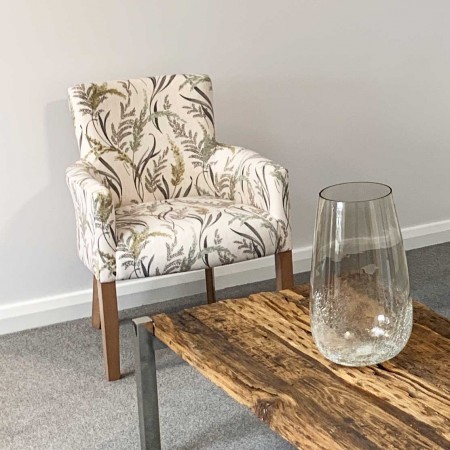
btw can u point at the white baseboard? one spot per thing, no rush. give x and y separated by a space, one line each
75 305
426 234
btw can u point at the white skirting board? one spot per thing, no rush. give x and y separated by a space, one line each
75 305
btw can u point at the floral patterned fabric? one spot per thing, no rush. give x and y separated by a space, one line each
96 221
150 138
191 233
154 192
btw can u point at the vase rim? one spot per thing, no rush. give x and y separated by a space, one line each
355 192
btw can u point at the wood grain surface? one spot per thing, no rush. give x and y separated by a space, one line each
260 351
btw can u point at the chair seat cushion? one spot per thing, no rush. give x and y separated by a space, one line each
184 234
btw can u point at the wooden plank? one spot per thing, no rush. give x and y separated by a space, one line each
432 320
368 413
410 394
260 351
248 382
431 336
413 363
414 359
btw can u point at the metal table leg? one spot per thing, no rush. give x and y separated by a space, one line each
147 392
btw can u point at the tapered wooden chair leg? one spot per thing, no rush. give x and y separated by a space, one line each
210 288
96 323
109 317
284 270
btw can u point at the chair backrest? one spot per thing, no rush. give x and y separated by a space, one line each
148 138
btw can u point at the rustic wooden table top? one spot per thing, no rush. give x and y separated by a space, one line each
260 351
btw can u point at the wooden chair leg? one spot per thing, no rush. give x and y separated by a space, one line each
210 288
96 323
109 317
284 270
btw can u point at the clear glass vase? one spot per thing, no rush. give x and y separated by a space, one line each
361 310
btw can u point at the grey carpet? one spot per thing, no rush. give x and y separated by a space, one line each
53 395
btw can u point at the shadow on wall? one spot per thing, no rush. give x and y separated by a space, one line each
39 244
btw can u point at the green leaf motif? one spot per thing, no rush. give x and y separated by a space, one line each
93 97
178 168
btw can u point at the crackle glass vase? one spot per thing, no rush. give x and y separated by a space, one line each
361 310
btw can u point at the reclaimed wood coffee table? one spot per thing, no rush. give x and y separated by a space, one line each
260 351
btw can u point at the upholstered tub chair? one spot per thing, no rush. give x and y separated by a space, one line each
155 194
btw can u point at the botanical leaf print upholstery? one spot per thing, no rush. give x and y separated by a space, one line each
245 176
96 223
150 137
155 193
190 233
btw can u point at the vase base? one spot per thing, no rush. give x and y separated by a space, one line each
364 355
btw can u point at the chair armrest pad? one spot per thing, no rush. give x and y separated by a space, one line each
96 222
82 175
247 177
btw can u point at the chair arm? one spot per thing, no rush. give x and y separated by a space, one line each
96 221
246 177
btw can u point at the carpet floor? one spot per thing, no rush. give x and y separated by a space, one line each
53 394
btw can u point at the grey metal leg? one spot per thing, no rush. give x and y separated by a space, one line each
147 392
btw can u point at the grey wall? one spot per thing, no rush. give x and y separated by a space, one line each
334 90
